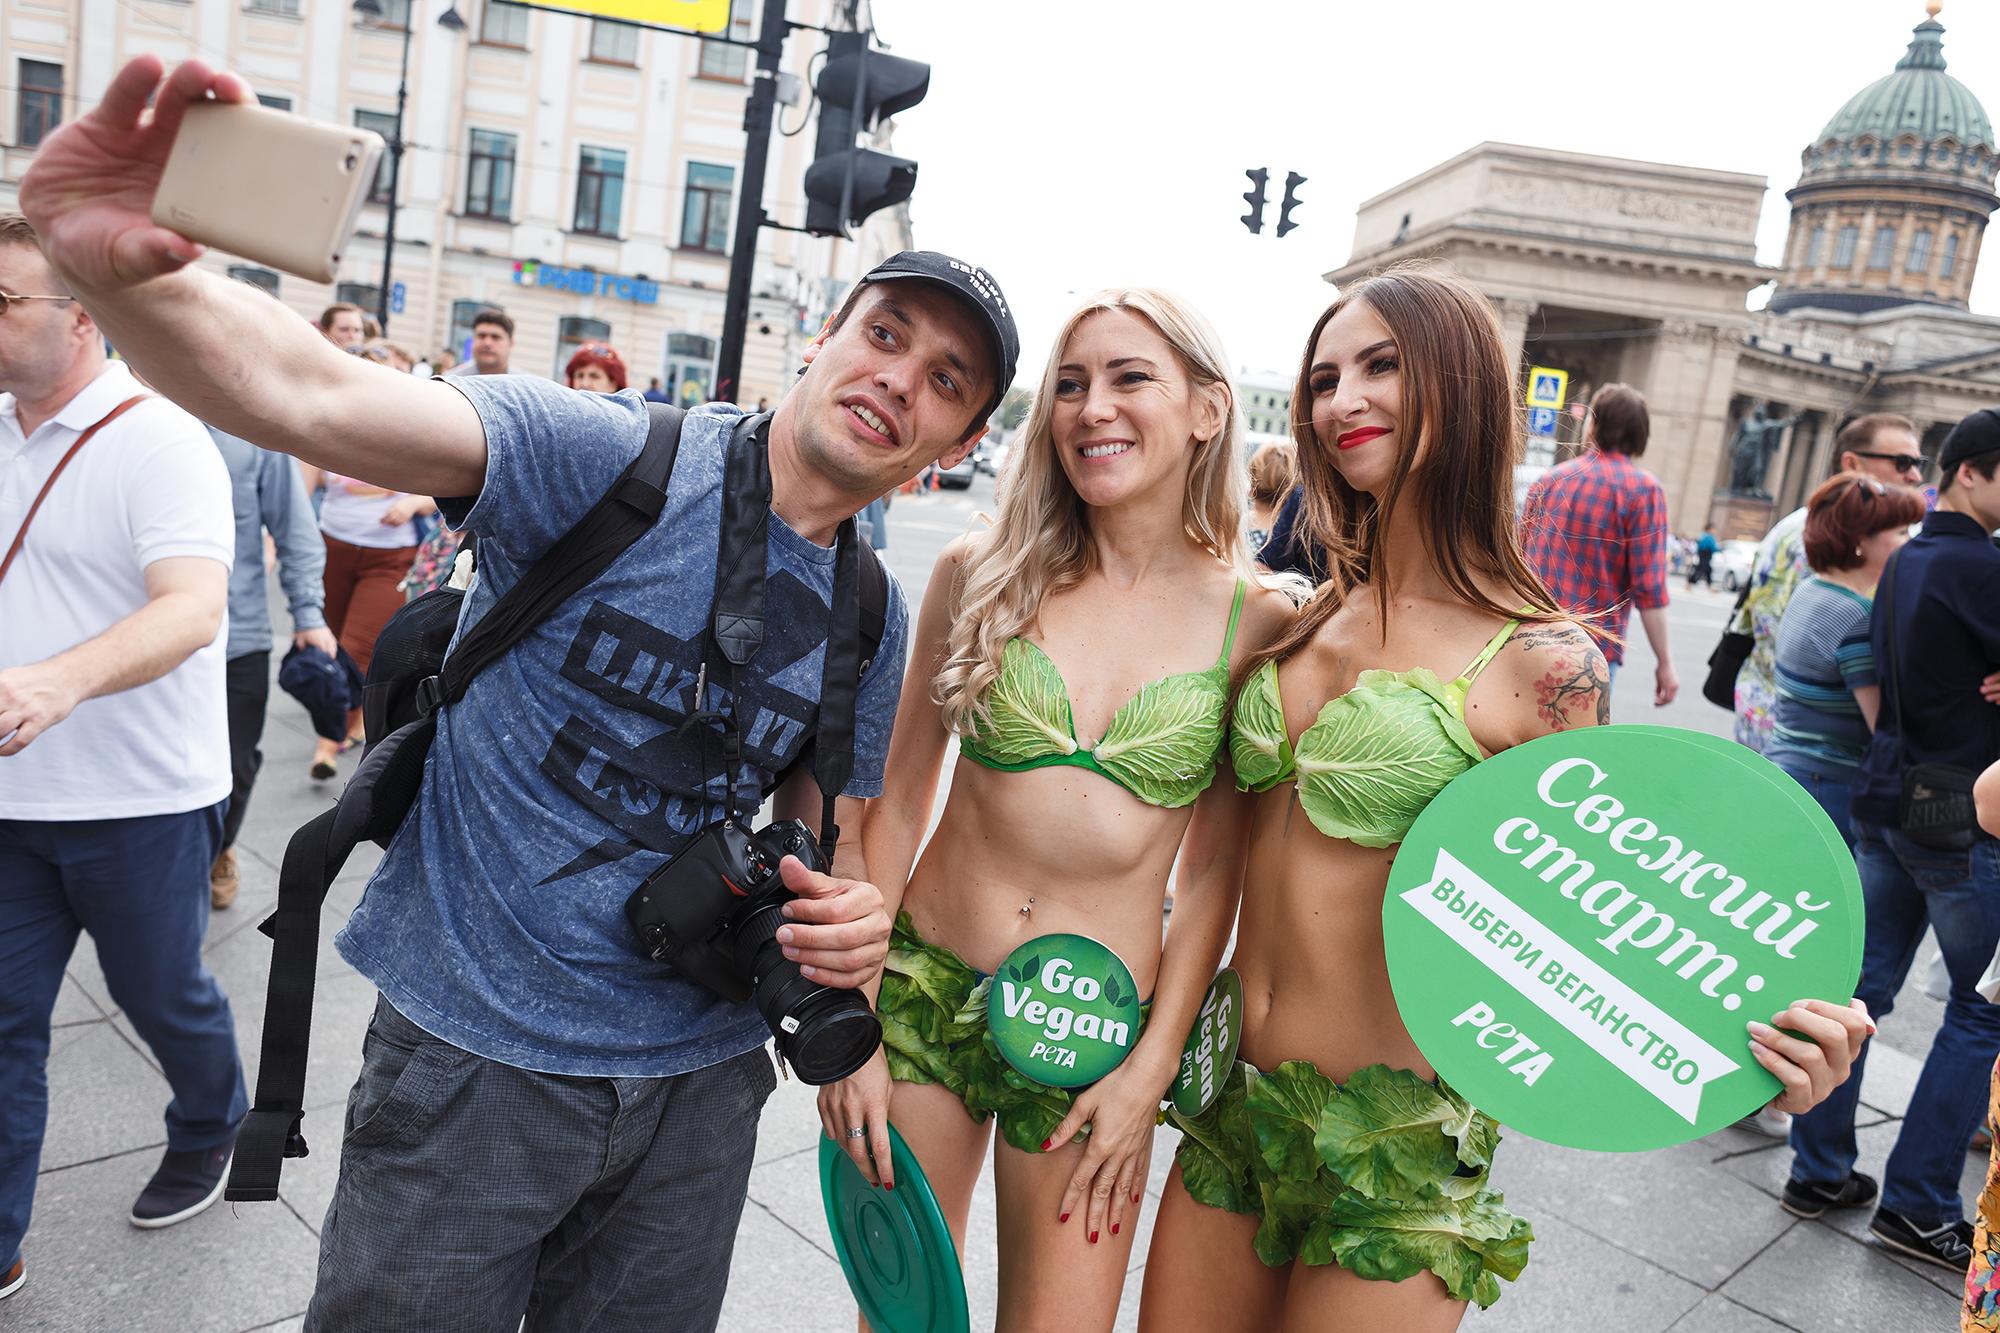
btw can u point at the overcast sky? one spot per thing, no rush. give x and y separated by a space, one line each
1076 144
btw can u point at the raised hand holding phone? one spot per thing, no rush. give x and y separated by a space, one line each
90 191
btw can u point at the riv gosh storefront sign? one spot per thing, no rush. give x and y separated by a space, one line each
586 282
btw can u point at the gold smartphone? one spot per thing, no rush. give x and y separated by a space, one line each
266 185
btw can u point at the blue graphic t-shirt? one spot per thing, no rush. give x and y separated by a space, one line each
497 918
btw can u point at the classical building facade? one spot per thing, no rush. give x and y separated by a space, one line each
581 175
1266 400
1616 270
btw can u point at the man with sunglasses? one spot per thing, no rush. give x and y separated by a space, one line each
116 538
1881 445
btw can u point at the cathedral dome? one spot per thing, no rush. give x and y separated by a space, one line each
1894 194
1919 97
1916 121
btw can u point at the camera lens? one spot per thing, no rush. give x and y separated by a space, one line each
823 1032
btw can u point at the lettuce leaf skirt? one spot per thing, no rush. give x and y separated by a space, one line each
1384 1175
933 1011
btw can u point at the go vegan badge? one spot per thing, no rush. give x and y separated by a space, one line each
1210 1052
1579 927
1063 1010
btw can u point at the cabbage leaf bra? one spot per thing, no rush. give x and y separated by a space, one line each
1161 744
1373 758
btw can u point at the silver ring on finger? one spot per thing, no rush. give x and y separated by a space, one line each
858 1132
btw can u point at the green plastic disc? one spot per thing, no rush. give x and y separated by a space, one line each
893 1244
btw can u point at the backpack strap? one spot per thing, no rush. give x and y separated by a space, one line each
616 521
273 1130
874 615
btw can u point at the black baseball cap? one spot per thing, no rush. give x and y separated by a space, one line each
1977 434
976 287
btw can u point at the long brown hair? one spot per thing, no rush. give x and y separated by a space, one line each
1459 394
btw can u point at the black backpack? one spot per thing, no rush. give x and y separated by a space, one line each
409 677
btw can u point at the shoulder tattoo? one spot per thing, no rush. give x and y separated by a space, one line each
1573 685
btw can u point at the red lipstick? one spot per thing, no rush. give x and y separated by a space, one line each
1354 438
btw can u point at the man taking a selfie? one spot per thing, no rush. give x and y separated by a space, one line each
547 1121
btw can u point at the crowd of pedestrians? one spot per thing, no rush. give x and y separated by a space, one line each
540 1118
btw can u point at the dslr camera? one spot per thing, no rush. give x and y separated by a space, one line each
712 914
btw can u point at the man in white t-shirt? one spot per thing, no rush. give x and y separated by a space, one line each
114 748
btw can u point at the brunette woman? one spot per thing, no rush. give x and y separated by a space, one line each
1430 646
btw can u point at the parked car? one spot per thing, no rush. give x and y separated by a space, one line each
1733 562
989 456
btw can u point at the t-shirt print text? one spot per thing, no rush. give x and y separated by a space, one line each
662 790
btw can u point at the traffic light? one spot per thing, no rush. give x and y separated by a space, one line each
1254 219
856 88
1292 183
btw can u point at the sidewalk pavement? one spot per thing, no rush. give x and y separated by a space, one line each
1688 1238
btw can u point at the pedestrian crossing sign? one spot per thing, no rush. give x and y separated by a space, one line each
1547 387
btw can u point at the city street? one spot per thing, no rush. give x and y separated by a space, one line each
1689 1238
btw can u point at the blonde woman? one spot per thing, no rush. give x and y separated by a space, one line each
1080 653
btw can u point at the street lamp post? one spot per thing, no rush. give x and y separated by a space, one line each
371 11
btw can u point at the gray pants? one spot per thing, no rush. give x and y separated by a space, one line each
473 1193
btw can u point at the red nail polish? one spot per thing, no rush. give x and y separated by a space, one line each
1093 1238
1046 1143
1063 1218
1135 1198
1114 1228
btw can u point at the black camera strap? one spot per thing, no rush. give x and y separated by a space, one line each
737 623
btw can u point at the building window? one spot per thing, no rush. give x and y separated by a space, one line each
1884 246
286 8
705 217
461 325
572 332
722 61
395 14
1949 264
1816 247
1920 253
489 176
39 106
261 278
614 43
600 190
1843 246
383 124
364 294
690 369
275 102
502 24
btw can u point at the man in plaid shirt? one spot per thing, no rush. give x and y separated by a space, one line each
1595 529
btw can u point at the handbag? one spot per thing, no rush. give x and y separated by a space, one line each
1934 808
1726 662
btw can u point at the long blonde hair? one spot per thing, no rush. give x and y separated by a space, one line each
1040 544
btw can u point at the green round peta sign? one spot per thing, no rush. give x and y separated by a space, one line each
1063 1010
1579 928
1210 1052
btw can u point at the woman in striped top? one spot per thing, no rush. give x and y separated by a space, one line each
1827 690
